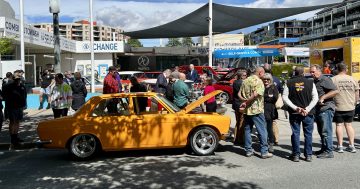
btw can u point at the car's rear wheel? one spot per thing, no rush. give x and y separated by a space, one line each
84 146
224 97
204 141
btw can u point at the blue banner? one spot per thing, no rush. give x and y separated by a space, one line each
243 53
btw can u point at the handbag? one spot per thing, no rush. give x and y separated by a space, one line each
279 102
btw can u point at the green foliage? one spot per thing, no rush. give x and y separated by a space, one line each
280 69
247 40
134 43
174 42
6 45
186 42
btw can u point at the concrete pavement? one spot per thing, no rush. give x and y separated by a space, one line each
33 117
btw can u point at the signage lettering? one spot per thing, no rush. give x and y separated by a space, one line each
106 47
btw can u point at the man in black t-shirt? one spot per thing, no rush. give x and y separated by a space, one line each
325 110
45 80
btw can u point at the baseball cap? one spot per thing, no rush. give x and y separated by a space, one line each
111 68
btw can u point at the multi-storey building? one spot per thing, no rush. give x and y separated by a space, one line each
339 21
80 31
278 29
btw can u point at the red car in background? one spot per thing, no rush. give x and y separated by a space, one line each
200 69
225 84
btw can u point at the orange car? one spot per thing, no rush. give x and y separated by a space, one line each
125 121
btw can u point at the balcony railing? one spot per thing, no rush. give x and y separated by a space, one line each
329 31
354 5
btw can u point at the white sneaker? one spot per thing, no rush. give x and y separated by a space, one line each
351 149
340 149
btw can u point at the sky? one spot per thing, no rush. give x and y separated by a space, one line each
141 14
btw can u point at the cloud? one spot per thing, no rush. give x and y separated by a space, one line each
130 20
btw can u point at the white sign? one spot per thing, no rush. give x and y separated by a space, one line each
100 46
34 35
233 47
296 51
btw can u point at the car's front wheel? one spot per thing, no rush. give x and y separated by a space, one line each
83 146
204 141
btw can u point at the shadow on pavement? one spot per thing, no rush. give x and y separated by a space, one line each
128 169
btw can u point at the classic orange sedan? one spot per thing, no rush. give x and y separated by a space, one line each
128 121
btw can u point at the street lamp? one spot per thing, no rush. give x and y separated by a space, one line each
54 7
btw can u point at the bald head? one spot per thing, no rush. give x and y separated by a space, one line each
182 76
259 71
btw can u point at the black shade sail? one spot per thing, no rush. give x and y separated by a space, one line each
225 19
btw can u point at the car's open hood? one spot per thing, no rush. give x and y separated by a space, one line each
197 103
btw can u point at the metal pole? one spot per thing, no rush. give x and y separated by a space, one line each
22 43
210 32
92 48
57 50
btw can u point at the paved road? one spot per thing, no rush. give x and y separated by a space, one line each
228 168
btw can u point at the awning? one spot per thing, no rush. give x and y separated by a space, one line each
225 19
243 53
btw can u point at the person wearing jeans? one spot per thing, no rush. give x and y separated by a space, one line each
301 96
325 109
259 122
252 96
308 127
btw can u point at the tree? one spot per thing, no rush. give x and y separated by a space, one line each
134 43
173 42
187 42
247 40
6 46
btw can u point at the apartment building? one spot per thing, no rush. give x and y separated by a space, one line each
80 31
278 29
334 22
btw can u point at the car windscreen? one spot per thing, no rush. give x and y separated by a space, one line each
168 103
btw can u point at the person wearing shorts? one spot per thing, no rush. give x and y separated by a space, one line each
345 102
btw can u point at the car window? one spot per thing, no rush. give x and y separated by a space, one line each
148 105
139 75
168 103
112 107
125 77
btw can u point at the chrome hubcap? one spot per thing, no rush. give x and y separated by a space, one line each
83 145
204 141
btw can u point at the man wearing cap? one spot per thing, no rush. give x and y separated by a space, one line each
15 101
110 83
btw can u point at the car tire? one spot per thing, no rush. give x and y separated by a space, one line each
225 97
84 146
204 141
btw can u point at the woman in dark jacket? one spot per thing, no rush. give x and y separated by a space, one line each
271 95
79 92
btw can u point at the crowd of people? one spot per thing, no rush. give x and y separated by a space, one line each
323 100
256 94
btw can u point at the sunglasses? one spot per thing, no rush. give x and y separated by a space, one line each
266 79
